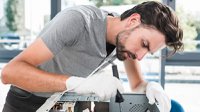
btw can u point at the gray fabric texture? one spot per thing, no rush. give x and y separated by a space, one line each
77 38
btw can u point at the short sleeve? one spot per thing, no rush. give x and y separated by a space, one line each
62 31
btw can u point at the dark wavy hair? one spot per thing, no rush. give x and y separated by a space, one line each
163 19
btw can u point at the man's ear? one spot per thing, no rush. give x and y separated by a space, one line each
133 20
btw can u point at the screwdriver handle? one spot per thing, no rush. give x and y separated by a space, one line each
119 98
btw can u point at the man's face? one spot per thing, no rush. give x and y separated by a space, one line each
137 42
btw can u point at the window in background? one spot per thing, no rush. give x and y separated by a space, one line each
1 9
189 14
182 81
22 23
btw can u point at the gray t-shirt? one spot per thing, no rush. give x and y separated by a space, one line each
77 38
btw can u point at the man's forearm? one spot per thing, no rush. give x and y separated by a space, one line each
134 73
30 78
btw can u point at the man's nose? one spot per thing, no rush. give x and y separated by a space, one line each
141 53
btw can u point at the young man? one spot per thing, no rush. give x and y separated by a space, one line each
76 41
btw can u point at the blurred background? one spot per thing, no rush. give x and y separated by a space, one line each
22 20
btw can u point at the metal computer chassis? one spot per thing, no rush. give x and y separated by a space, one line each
71 102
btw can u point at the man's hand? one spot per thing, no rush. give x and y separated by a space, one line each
104 86
155 93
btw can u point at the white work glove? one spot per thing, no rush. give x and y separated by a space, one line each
104 86
155 93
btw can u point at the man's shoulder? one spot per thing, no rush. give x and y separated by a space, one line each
86 8
82 8
86 11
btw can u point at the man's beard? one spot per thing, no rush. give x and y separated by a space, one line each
120 50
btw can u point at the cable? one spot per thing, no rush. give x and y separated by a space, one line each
119 98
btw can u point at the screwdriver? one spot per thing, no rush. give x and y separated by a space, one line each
119 98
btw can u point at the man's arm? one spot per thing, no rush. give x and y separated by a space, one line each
134 74
22 71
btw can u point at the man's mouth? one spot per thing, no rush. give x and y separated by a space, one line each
123 55
131 55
